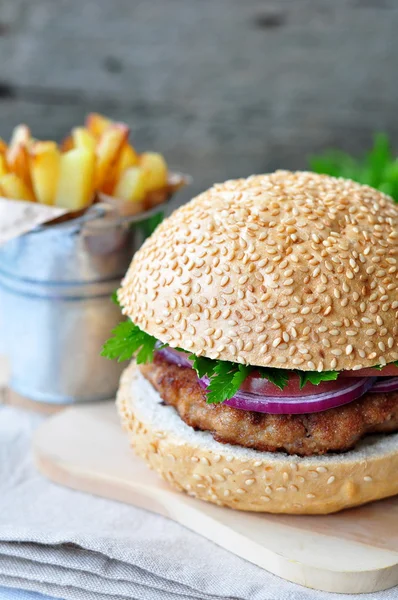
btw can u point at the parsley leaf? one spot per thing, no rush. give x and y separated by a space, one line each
395 363
115 299
226 380
279 377
202 365
128 340
316 377
378 168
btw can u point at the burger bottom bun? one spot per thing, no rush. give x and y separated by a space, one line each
245 479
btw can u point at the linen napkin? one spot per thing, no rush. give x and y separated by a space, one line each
70 545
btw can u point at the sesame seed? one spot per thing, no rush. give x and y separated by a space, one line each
367 478
331 479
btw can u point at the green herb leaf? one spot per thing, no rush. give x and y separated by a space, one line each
279 377
378 168
202 365
115 299
315 378
128 340
226 380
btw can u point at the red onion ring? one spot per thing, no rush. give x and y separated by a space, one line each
350 389
174 356
385 384
294 405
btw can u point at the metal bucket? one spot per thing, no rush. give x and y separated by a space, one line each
56 285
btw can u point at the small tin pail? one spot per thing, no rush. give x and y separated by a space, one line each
56 284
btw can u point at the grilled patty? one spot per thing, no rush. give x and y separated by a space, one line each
337 429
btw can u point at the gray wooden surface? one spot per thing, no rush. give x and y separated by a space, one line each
223 87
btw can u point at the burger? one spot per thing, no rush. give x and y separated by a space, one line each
262 324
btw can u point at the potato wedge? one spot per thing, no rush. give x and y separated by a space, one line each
75 184
108 152
20 135
83 138
128 158
67 144
3 165
11 186
3 146
97 124
18 163
131 185
44 167
155 169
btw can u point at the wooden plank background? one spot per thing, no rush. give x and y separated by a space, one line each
223 87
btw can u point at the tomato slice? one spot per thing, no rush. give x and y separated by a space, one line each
387 371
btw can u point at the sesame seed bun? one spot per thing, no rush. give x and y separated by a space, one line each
288 270
244 479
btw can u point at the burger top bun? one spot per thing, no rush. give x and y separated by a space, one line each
289 270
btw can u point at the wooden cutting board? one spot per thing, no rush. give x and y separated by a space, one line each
351 552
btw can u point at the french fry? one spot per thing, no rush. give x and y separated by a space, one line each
20 135
18 162
67 144
3 165
128 158
83 138
3 147
75 184
107 153
44 168
155 169
97 124
132 185
11 186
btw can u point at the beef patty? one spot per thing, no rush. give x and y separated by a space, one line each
337 429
